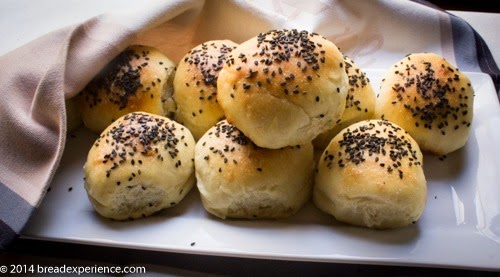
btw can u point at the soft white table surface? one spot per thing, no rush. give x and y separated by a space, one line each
22 21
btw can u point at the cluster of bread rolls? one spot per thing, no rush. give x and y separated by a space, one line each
242 121
278 91
371 173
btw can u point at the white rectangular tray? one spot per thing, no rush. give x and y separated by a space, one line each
460 227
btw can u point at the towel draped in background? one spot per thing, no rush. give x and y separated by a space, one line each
38 77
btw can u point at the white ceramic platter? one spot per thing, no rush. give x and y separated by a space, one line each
460 227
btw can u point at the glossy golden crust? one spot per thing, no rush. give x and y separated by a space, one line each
360 103
430 99
283 87
141 163
139 79
238 179
371 175
195 86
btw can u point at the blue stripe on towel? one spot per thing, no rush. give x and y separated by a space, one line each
14 214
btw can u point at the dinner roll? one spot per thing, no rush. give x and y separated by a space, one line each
283 88
360 103
371 175
141 164
195 86
238 179
138 79
429 98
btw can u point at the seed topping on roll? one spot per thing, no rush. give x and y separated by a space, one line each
356 143
138 79
121 79
371 175
238 179
195 85
131 144
280 45
142 163
436 112
208 65
431 99
224 130
357 80
359 105
283 87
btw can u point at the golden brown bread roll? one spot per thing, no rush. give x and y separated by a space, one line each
429 98
360 103
238 179
371 175
283 87
195 86
138 79
141 164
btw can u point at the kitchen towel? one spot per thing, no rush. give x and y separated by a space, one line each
38 79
